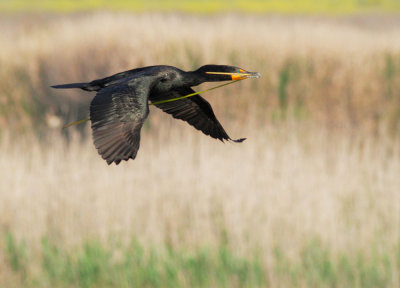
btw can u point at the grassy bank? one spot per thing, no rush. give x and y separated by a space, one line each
111 264
310 199
254 6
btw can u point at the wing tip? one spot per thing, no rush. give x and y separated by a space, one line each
118 160
240 140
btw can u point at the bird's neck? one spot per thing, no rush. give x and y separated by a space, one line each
194 78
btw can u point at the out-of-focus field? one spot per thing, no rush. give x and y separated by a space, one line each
208 6
311 199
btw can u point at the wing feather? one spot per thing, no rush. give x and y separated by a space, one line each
117 114
195 110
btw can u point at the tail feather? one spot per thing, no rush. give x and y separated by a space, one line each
71 85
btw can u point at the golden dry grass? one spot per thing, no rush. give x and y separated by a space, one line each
281 187
336 72
322 159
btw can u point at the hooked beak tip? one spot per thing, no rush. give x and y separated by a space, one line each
255 75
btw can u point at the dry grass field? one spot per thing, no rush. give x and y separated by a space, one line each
310 199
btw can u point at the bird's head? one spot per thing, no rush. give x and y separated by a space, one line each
213 73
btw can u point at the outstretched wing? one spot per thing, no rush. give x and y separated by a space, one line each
195 110
117 114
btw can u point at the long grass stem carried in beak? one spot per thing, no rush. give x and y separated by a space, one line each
235 78
193 94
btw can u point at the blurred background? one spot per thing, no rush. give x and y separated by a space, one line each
310 199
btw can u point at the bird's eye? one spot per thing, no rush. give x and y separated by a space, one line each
164 80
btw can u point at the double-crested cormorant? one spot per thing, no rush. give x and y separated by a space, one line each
121 104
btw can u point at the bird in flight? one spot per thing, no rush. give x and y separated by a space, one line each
121 104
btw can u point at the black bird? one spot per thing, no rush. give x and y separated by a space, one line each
121 104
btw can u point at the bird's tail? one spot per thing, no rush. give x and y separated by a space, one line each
83 86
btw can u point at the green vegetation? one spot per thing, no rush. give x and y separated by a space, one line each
208 6
115 265
133 265
320 267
